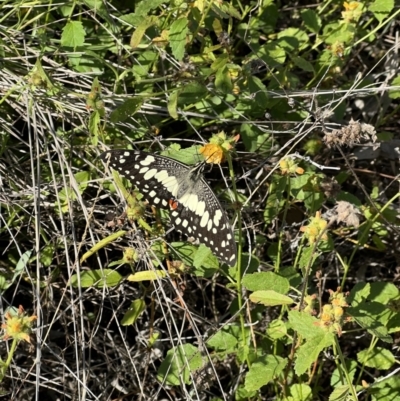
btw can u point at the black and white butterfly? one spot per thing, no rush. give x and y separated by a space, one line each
168 184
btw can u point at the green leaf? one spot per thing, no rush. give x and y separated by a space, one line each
292 275
249 264
394 93
223 341
311 19
94 126
184 251
220 62
293 39
272 54
377 358
177 37
199 257
250 135
346 196
223 80
132 18
204 257
127 109
266 281
104 242
263 371
276 329
260 96
366 314
47 254
191 93
340 393
338 32
386 388
135 310
381 8
96 278
172 104
383 292
137 35
308 353
393 324
21 265
147 275
338 374
242 394
3 284
300 392
143 64
303 64
276 199
308 257
305 324
270 298
39 78
359 293
178 365
230 10
143 7
73 34
187 156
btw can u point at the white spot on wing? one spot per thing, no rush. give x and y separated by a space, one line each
171 184
205 219
152 193
201 206
217 217
185 224
190 200
178 220
161 175
149 174
147 161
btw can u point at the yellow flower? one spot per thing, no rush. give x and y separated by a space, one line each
219 145
316 227
17 324
289 166
354 11
213 153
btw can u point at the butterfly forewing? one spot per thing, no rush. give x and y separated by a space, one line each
168 184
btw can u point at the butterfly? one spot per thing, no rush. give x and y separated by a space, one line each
168 184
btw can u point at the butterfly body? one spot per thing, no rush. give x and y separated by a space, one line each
168 184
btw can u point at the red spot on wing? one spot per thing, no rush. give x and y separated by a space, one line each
173 204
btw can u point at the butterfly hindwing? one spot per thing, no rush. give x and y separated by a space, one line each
168 184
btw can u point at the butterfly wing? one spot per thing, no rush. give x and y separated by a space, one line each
196 212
